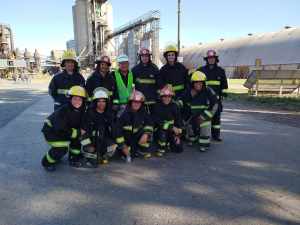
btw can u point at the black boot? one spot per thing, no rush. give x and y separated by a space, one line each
48 166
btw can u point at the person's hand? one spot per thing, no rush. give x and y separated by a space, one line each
177 131
126 150
177 140
143 139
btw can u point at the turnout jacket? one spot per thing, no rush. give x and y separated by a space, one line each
132 123
104 123
64 123
97 80
61 84
167 116
176 75
203 103
216 79
146 80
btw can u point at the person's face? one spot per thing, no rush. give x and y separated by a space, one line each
101 104
104 67
124 66
135 105
69 65
211 60
198 86
76 101
171 56
166 99
145 59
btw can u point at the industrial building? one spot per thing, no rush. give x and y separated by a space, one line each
94 34
238 56
6 41
71 45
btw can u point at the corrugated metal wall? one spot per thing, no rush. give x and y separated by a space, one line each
274 48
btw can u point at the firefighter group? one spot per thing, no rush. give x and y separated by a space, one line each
128 114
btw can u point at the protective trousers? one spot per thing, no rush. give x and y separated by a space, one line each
216 123
59 149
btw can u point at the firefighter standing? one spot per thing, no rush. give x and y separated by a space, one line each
137 126
173 73
99 137
145 78
63 81
101 77
216 79
123 81
200 103
62 130
168 122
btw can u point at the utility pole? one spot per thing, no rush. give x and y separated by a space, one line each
178 29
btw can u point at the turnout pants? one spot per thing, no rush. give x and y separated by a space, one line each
216 123
137 149
199 131
166 141
59 148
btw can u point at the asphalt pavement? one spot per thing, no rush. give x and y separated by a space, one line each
252 178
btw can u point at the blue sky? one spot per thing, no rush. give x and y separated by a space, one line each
48 24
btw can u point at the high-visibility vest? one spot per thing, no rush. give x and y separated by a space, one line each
124 92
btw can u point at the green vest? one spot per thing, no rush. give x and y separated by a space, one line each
123 91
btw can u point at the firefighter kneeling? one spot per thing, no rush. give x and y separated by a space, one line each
62 130
168 122
200 105
137 126
99 137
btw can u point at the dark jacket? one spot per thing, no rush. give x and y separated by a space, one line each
176 75
132 123
167 114
103 123
63 123
61 83
146 80
200 104
97 80
216 79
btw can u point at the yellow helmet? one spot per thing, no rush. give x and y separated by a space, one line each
77 91
198 76
171 48
69 55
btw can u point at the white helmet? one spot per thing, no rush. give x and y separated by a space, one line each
100 93
122 58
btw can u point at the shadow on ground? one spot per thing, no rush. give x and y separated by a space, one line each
252 178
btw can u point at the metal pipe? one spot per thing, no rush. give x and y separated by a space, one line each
178 30
12 46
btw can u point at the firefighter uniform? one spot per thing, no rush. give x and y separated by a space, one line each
100 140
175 75
62 82
166 118
62 131
135 124
216 79
199 109
145 80
98 79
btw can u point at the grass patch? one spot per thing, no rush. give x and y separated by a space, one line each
282 103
